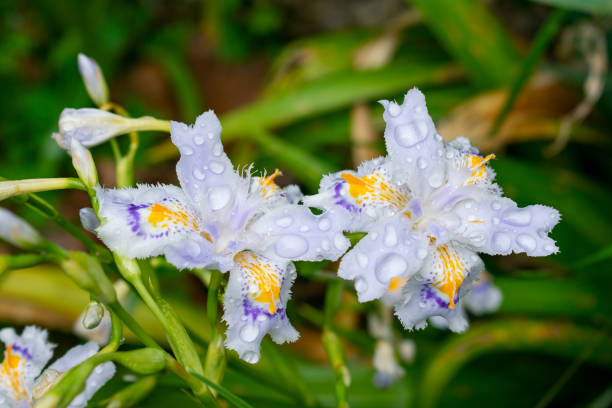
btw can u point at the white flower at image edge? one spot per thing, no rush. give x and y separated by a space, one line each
220 219
428 209
25 356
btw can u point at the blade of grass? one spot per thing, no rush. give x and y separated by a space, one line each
224 392
540 43
474 37
590 6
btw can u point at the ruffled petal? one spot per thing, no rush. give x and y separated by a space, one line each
204 170
293 232
413 143
390 250
448 268
141 222
422 301
497 226
369 194
25 356
484 297
255 304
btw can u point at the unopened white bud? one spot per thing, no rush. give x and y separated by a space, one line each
93 79
83 163
89 220
16 231
92 127
94 324
387 368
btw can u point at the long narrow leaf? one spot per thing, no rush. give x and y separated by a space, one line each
224 392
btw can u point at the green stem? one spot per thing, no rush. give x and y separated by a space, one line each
8 262
215 361
44 208
179 340
116 334
134 327
333 345
10 188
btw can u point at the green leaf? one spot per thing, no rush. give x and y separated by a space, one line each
474 37
589 6
224 392
561 339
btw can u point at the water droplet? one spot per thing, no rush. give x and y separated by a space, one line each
249 333
324 225
390 238
262 317
250 357
362 260
495 220
210 135
198 139
291 246
496 205
517 217
284 222
373 235
449 155
422 163
394 109
325 245
440 152
186 150
469 204
217 150
217 167
408 135
421 253
200 175
193 249
304 228
550 248
361 285
340 242
436 179
219 197
391 266
527 242
98 370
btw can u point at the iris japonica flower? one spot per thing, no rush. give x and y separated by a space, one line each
428 209
25 356
220 219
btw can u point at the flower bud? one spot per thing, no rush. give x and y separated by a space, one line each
142 361
94 324
87 272
89 220
93 79
18 232
92 126
83 163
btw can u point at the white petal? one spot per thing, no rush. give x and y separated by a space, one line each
293 232
390 250
100 376
255 304
205 172
143 221
93 79
17 231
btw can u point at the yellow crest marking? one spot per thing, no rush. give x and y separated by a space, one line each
11 373
452 273
264 276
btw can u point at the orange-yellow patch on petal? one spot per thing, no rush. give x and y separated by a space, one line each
396 284
374 188
12 373
160 214
453 272
478 166
263 278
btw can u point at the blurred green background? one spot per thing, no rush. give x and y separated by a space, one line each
295 84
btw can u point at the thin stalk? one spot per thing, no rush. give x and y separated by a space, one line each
45 209
333 345
116 334
10 188
133 325
8 262
215 360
